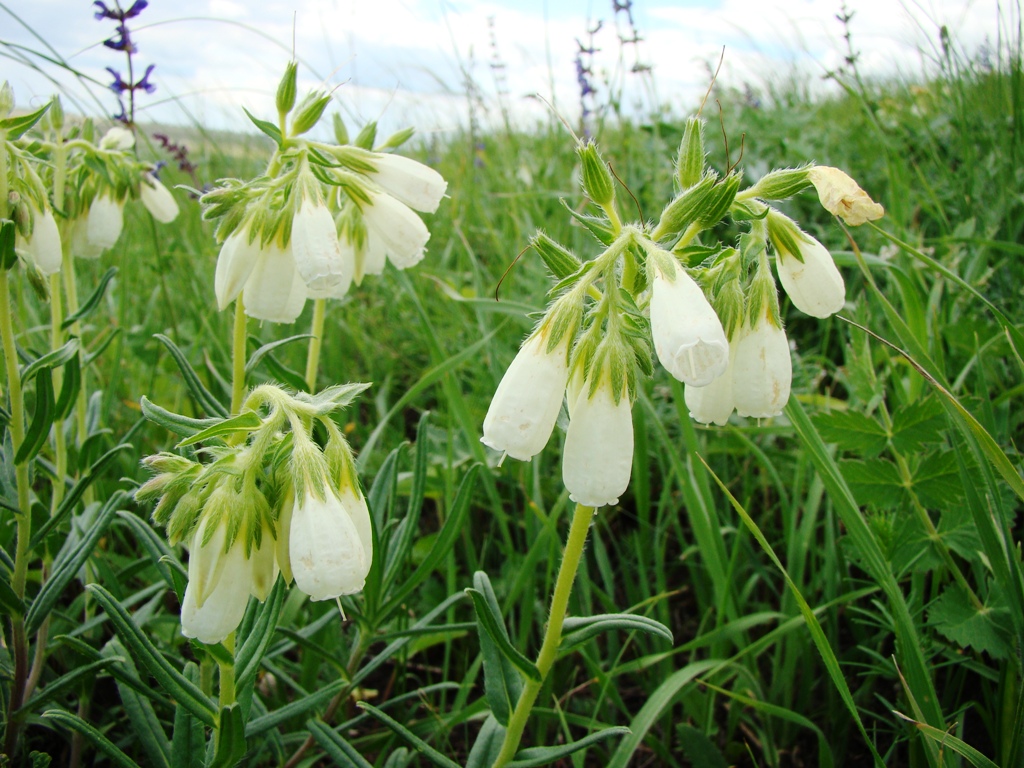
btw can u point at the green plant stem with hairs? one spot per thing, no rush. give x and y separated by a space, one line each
315 343
574 543
238 357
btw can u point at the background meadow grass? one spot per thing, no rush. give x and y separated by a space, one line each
743 683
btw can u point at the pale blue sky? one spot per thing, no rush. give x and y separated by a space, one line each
407 60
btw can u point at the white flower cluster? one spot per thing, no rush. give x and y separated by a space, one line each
310 523
276 274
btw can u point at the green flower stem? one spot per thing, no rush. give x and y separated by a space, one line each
553 635
238 358
315 343
71 297
227 674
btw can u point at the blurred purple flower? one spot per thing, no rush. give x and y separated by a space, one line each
116 13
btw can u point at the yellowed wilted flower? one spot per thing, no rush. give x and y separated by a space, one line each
842 196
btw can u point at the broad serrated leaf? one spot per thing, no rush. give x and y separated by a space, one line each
955 616
247 421
502 683
852 431
937 480
89 305
539 756
268 128
577 630
875 481
202 395
141 647
917 424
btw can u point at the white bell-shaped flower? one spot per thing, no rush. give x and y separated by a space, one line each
814 285
118 137
274 290
158 199
402 233
525 405
218 588
330 545
43 247
234 265
413 183
762 370
324 267
106 219
713 403
370 258
688 335
598 456
81 246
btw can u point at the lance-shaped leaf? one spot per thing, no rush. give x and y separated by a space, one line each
247 421
188 742
578 629
101 742
340 751
174 422
89 305
202 395
42 418
415 741
538 756
502 683
230 738
494 627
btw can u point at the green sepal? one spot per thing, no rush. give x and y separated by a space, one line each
396 139
599 227
560 260
691 159
340 129
578 630
286 89
780 184
367 136
785 236
597 180
268 128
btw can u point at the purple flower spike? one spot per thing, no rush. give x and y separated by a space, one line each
144 83
116 13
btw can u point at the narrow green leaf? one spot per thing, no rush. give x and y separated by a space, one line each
502 683
188 742
68 389
250 653
77 491
173 422
90 304
42 418
247 421
578 629
8 235
140 646
488 743
163 556
817 633
230 738
144 722
17 126
494 628
446 538
538 756
101 742
266 349
414 741
202 395
70 681
268 128
66 568
54 359
9 601
946 739
340 751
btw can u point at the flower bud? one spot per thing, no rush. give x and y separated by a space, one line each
525 405
691 159
597 179
780 184
56 114
286 88
118 138
340 130
367 135
43 246
6 100
559 260
219 581
397 139
812 281
842 196
158 199
598 456
685 209
309 112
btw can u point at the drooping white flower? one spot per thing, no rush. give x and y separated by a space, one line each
713 403
81 247
598 456
688 335
158 199
413 183
105 221
118 138
324 267
402 233
234 265
814 285
330 545
219 584
43 246
841 196
371 257
525 405
762 370
274 289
